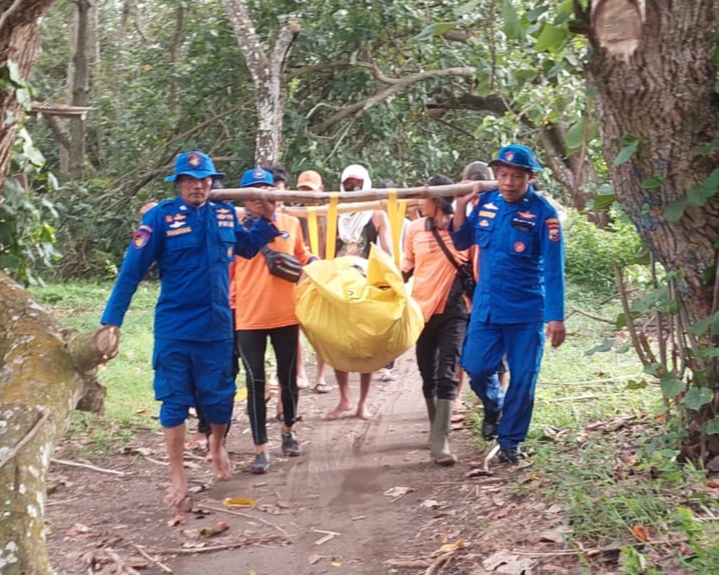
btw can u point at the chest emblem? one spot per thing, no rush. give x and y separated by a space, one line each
519 247
526 215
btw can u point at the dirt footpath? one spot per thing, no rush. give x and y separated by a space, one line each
363 499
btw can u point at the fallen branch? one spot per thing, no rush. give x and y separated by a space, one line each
120 563
149 557
492 453
441 562
190 551
574 398
600 550
590 315
246 516
310 198
88 466
590 382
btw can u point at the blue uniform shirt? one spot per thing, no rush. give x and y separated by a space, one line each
521 259
193 248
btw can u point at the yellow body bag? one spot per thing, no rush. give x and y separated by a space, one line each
356 313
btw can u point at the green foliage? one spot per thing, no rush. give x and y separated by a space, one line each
592 253
27 218
630 146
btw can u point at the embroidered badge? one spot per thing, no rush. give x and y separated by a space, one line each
177 224
140 239
224 211
169 218
179 232
527 215
490 206
145 227
258 174
484 214
483 223
519 247
509 156
194 160
229 252
180 216
224 224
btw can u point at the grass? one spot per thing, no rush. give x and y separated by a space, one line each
619 479
614 482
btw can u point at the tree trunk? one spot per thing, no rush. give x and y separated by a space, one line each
655 76
19 41
266 72
174 53
662 94
45 373
80 87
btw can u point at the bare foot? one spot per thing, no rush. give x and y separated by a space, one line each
340 411
364 413
221 464
197 443
302 382
179 499
459 407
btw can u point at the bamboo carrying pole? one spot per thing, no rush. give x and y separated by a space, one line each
320 198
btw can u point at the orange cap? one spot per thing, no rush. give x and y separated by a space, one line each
310 179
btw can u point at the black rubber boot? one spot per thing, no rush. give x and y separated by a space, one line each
490 425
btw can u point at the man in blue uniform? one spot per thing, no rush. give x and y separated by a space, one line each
520 288
193 241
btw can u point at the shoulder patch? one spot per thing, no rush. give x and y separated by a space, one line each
140 239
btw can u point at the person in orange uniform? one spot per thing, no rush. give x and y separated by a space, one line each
268 298
441 294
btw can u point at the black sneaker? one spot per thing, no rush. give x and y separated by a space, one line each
290 447
511 456
490 426
261 464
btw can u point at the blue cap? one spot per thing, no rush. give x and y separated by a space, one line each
195 164
256 176
516 156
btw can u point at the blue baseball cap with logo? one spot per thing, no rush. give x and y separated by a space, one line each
256 176
516 156
196 165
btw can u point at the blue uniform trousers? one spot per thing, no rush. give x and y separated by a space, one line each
193 373
483 349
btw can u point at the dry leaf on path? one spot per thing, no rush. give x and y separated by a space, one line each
499 558
312 559
238 502
405 564
519 567
641 533
430 504
449 547
398 491
216 529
